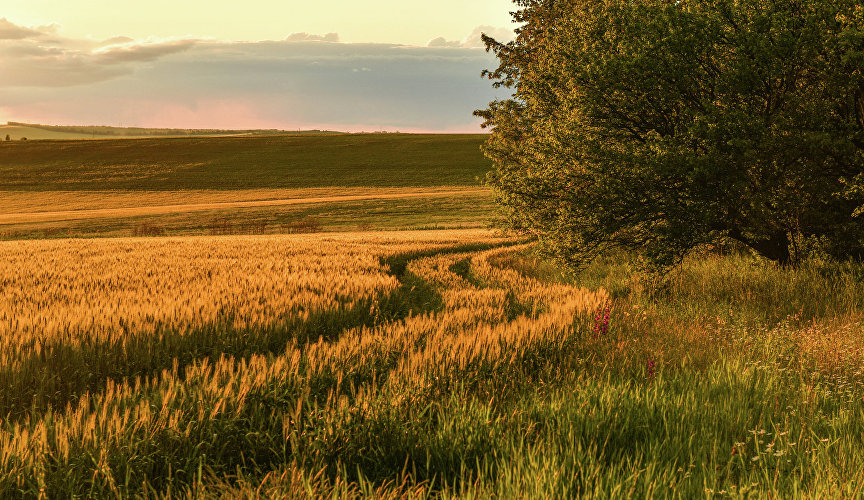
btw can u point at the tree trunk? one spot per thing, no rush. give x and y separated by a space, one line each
775 248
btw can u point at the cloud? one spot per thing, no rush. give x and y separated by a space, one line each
443 42
140 52
10 31
307 37
473 40
38 58
26 63
117 40
268 84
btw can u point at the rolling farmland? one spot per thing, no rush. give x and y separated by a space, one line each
218 185
217 356
643 280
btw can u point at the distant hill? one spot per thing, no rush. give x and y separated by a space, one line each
17 132
32 131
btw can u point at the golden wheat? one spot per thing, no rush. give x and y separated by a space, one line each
102 290
81 291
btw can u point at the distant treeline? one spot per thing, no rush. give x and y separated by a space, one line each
137 131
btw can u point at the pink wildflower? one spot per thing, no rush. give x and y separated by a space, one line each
601 320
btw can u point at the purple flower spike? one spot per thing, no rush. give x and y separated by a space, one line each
601 320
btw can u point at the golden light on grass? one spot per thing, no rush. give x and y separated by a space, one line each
108 291
225 364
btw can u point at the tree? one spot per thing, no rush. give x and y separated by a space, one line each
660 125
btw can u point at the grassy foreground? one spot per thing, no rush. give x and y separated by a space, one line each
448 364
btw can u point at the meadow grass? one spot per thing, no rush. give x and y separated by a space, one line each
742 379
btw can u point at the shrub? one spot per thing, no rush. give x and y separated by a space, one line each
220 227
302 226
147 229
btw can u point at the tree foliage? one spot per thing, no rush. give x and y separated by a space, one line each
660 125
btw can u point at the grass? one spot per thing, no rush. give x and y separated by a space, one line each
481 376
232 163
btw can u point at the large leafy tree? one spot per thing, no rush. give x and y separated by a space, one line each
659 125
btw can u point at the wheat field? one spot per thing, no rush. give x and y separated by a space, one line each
417 364
93 335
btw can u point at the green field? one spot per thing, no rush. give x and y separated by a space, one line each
87 175
17 132
229 163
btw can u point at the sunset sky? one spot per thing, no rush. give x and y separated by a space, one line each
335 64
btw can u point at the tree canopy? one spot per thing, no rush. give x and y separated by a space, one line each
660 125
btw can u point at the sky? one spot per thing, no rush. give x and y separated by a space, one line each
326 64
